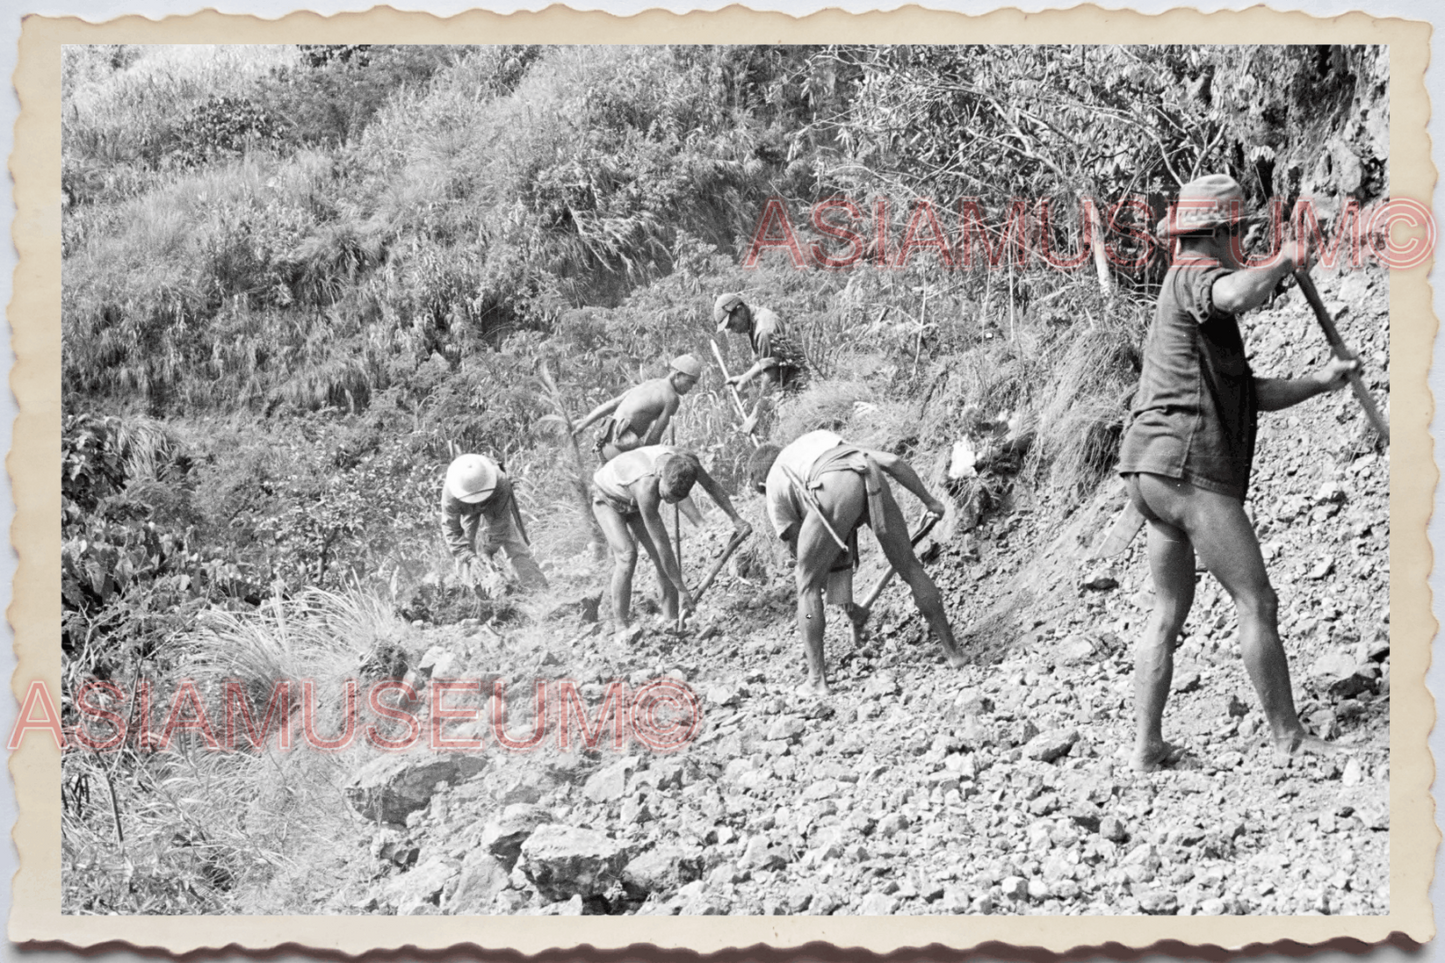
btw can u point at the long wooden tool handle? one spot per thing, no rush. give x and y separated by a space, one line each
1332 334
882 584
732 388
727 553
712 573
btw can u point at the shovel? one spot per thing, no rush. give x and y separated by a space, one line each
1332 334
859 613
727 553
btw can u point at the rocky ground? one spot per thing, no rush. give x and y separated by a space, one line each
1002 787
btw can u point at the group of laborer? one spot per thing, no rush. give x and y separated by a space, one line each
1186 458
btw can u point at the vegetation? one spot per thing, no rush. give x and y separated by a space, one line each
297 279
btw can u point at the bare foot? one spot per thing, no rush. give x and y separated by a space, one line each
1298 744
1155 756
814 688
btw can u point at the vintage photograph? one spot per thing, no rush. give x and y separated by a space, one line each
736 480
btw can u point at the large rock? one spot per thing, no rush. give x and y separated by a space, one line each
1048 746
392 787
503 836
786 728
412 892
665 869
563 861
609 784
877 904
483 877
1339 674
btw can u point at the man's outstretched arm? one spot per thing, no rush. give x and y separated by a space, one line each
719 494
606 408
1274 394
904 474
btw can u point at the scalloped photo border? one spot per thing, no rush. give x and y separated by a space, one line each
35 458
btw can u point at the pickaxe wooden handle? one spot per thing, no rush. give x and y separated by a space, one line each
860 613
1120 534
732 388
1332 334
707 580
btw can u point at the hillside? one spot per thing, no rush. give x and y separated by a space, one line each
295 291
1003 787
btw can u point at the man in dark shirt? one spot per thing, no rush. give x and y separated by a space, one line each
1187 452
777 359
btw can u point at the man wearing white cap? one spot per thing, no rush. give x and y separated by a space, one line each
777 359
642 413
1187 453
627 493
479 516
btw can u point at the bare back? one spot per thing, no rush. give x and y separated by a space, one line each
643 405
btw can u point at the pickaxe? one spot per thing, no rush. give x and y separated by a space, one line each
732 546
859 613
1120 533
1332 334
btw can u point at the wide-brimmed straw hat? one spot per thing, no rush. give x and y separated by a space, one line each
1205 203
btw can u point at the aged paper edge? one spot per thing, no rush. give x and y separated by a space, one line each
34 467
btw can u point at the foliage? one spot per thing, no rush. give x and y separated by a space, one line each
192 830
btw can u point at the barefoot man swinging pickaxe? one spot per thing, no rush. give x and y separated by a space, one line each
1188 450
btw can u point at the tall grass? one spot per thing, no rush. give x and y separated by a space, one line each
129 114
192 830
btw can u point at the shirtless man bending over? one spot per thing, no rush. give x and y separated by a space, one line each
820 490
627 494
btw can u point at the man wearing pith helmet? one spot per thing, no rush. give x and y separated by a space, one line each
642 413
777 359
1187 453
479 516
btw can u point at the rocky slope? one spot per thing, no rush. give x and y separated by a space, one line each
1002 787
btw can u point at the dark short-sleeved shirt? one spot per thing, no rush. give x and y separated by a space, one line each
1194 415
770 339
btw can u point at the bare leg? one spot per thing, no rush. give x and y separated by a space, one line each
842 498
1224 538
899 552
669 591
1171 564
624 560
